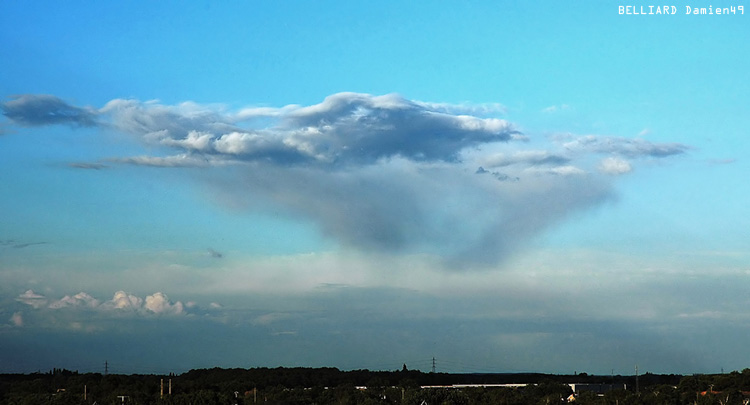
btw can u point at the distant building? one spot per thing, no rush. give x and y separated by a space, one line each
596 388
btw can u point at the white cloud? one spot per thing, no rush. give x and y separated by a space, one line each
81 299
158 303
17 319
123 300
142 119
703 315
183 160
195 140
566 170
485 109
33 299
251 113
554 108
614 166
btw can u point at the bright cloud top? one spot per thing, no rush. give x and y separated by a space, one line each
157 303
379 173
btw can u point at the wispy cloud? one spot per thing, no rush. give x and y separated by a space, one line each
24 245
526 157
182 160
89 166
19 245
556 108
628 147
722 161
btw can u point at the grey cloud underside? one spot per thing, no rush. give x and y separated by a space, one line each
372 172
38 110
527 158
345 129
466 219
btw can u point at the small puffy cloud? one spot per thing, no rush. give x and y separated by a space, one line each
215 254
614 166
33 299
41 109
123 300
81 299
158 303
17 319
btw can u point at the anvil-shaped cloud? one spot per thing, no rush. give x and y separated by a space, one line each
379 173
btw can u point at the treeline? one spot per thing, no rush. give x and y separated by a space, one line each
333 386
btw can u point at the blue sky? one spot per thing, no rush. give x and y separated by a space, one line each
506 187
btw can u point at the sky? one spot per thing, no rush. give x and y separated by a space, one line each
551 187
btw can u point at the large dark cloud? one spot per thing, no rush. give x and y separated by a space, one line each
380 173
346 128
37 110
